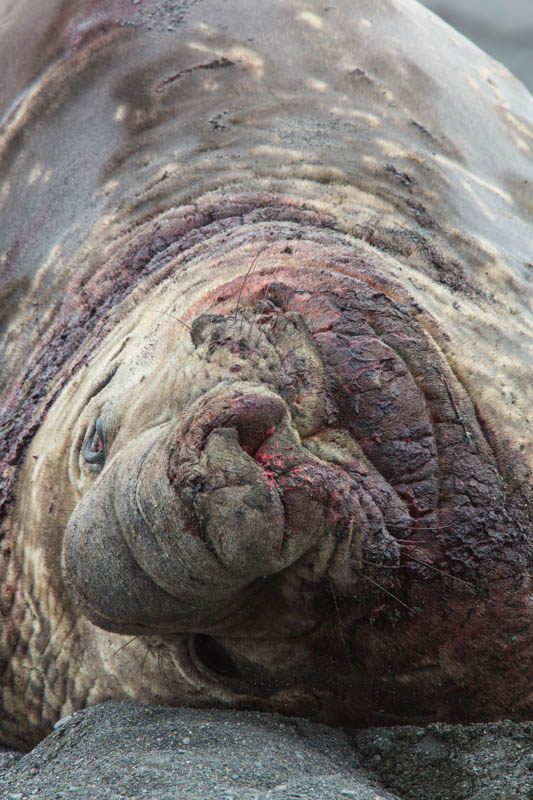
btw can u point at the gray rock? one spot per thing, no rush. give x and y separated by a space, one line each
125 750
8 758
490 761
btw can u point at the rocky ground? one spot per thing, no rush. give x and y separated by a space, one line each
125 750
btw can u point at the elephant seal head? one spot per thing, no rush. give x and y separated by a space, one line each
287 489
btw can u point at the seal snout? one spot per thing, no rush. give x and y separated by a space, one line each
253 415
216 468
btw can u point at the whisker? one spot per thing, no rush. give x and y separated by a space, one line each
248 271
441 571
166 313
366 578
341 627
159 661
432 527
424 564
144 662
263 301
122 646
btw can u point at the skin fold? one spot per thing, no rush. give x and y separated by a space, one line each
265 330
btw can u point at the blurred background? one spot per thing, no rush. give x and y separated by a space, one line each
503 28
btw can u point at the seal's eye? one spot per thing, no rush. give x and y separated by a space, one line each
94 449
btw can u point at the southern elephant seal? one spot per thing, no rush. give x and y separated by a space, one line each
266 363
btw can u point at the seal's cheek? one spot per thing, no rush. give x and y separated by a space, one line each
113 535
103 578
180 522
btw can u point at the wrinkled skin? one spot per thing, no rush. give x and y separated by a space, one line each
265 434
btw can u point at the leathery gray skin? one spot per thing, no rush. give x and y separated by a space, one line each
266 363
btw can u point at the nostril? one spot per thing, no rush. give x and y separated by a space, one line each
215 657
254 417
251 440
267 433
